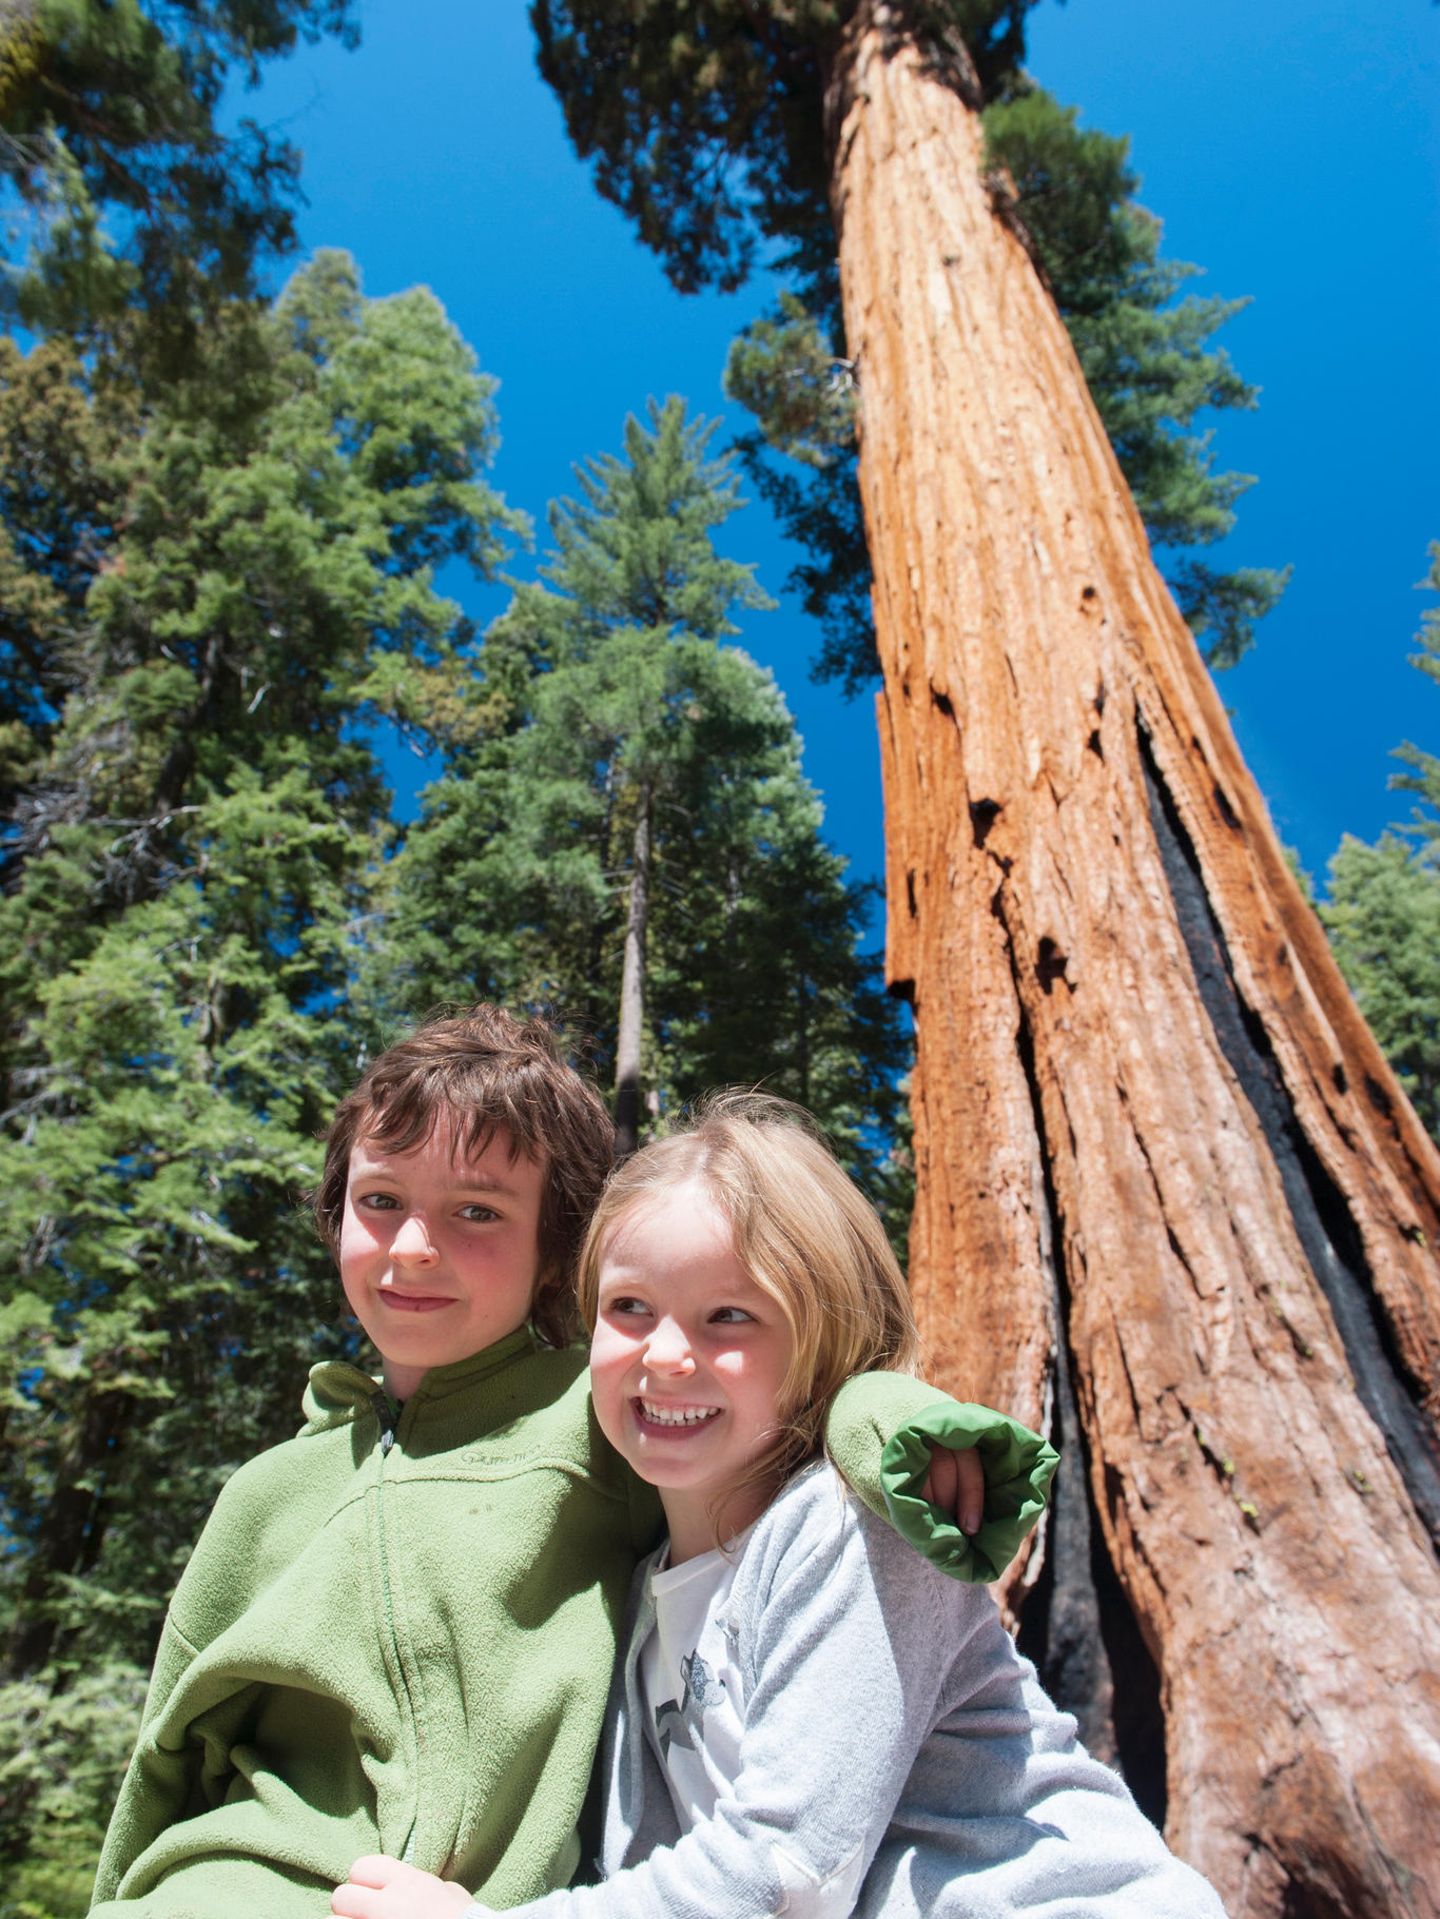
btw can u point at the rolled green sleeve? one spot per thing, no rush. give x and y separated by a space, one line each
880 1432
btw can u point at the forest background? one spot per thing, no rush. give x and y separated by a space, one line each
208 917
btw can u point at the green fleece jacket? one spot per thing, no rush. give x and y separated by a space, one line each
396 1635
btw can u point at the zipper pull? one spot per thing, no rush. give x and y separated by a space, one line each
387 1412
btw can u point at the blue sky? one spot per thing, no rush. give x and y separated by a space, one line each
1292 149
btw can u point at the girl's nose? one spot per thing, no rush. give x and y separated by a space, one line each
411 1243
668 1350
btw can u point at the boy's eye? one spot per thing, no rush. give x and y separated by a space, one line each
377 1202
476 1209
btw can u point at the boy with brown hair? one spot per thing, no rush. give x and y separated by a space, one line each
396 1632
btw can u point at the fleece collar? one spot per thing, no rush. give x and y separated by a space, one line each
339 1391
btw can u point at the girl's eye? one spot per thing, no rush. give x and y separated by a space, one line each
626 1306
731 1316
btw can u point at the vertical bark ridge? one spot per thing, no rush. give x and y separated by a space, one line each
1078 1624
975 1148
1075 1109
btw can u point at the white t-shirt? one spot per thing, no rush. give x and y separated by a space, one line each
690 1685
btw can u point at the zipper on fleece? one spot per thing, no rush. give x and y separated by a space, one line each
387 1413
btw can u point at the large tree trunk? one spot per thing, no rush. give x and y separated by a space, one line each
632 991
1172 1202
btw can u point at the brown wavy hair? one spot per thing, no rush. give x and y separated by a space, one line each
491 1073
805 1234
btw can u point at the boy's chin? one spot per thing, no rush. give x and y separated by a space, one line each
403 1371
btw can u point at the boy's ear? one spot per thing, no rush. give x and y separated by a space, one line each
554 1310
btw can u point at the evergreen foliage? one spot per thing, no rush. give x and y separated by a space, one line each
610 698
220 527
1383 912
62 1756
111 107
64 439
219 590
1145 352
1423 778
704 119
1383 918
224 593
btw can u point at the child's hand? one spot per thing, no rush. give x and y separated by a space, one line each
956 1484
380 1888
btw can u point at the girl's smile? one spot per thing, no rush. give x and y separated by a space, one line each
672 1419
688 1364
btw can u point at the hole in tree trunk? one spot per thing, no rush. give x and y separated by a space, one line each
983 815
1227 811
1050 965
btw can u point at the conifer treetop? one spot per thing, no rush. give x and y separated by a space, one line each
704 117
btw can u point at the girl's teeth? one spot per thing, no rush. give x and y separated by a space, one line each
677 1415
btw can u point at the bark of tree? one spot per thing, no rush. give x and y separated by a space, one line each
632 992
73 1534
1172 1201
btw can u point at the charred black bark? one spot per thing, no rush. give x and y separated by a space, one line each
1322 1219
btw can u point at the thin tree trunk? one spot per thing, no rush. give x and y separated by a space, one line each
74 1530
632 991
1171 1200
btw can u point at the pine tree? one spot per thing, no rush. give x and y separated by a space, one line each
111 116
1423 778
233 587
634 845
1383 913
65 435
1142 1092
